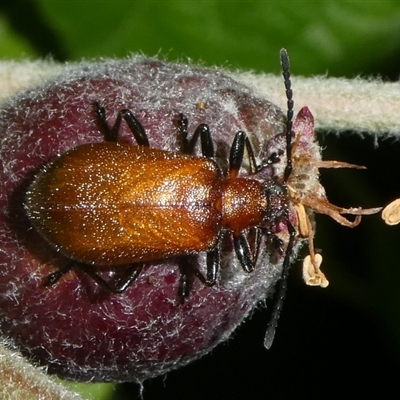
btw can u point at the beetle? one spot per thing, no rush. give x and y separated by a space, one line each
116 204
119 205
154 203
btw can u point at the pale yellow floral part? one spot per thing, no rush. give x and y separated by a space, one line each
391 213
302 220
312 274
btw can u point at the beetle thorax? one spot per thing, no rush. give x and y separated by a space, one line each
243 204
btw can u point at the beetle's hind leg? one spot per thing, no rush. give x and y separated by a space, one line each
54 277
129 276
188 271
111 134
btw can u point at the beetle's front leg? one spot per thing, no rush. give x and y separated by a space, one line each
202 131
243 252
112 134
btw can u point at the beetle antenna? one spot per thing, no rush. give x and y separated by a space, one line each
290 104
270 334
276 312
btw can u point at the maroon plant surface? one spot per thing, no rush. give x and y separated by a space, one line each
75 327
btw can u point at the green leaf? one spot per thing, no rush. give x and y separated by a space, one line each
91 391
12 44
342 38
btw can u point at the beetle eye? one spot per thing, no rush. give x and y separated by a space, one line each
274 158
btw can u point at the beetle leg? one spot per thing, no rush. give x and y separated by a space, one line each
207 145
273 240
248 253
240 142
213 263
54 277
130 274
243 252
187 271
135 126
101 117
182 124
241 139
202 131
111 134
255 235
236 154
184 286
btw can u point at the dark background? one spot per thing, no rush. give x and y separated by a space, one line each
340 341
